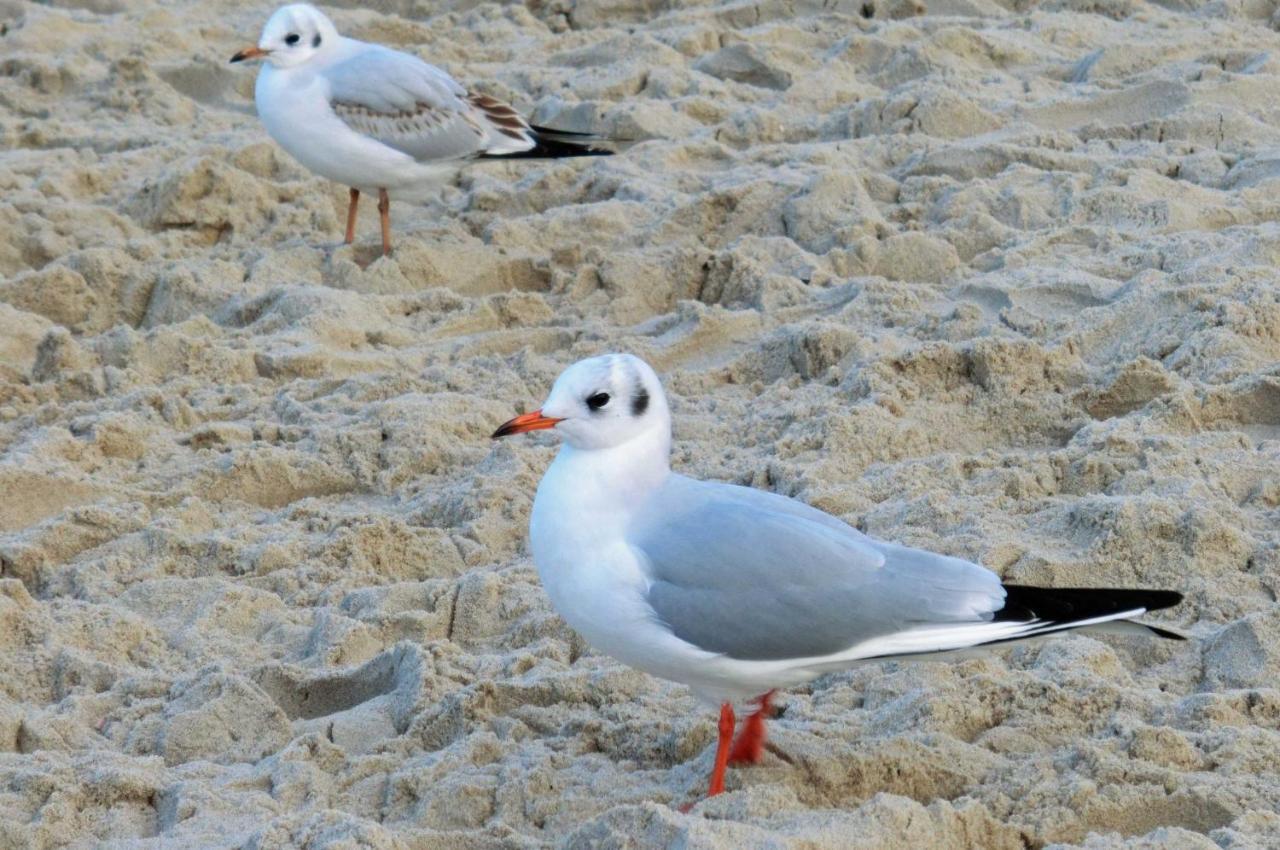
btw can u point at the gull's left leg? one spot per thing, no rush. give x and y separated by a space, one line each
749 747
725 729
351 216
727 722
384 211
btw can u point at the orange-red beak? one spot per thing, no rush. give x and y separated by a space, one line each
254 52
534 421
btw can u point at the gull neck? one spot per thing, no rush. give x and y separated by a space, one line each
624 471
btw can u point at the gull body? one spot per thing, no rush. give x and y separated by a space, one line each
737 592
379 120
294 105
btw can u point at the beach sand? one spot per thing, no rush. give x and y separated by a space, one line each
998 279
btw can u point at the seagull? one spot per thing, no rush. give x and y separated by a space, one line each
738 592
378 120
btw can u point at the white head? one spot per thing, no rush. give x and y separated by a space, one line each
295 34
600 403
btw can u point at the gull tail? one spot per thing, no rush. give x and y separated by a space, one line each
557 144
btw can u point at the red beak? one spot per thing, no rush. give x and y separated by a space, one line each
534 421
249 53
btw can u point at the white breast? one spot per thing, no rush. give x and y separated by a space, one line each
593 578
598 584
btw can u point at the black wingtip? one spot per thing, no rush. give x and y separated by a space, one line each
559 144
1163 599
1069 604
1164 633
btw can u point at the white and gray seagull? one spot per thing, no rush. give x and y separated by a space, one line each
738 592
379 120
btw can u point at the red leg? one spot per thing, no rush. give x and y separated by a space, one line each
727 722
749 747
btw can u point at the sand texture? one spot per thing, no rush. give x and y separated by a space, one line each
998 279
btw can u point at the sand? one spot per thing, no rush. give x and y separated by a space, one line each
998 280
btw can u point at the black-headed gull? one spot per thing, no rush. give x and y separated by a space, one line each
738 592
378 120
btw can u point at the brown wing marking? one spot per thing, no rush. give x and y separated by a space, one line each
507 121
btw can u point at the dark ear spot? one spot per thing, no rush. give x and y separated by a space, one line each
315 42
639 401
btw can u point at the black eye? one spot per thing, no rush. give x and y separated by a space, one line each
292 38
597 401
315 42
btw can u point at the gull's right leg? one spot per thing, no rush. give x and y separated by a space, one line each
351 216
384 213
749 748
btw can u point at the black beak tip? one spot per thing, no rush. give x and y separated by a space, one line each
504 431
239 57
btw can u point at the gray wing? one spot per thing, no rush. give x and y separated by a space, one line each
420 110
757 576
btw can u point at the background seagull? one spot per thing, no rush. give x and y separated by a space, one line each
737 592
376 119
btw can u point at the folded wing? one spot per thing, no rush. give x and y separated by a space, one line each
756 576
419 110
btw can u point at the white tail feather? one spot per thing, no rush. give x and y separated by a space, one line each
927 641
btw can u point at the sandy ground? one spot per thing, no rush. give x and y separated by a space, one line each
998 280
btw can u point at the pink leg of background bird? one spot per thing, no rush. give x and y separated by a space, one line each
351 216
384 212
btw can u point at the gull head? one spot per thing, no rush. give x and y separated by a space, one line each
293 35
600 403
